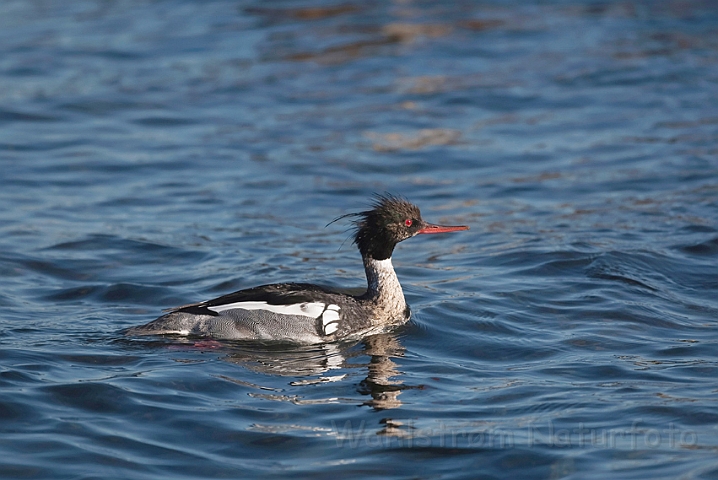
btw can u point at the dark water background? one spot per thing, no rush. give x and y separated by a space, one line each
155 153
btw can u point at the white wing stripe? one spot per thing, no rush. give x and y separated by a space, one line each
330 319
311 310
330 316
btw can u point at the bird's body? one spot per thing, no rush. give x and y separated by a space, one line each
307 313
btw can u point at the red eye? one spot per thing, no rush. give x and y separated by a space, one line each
408 222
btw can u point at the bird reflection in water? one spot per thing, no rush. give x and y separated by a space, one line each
382 381
324 362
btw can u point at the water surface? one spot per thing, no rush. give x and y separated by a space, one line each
160 153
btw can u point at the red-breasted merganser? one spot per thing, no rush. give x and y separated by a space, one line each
306 313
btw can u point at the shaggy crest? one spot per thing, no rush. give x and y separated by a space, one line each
390 220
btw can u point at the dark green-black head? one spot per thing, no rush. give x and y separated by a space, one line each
390 221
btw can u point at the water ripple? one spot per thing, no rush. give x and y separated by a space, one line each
168 152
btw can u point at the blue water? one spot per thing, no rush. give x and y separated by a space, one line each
159 153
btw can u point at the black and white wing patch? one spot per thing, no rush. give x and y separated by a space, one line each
330 319
289 299
326 316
